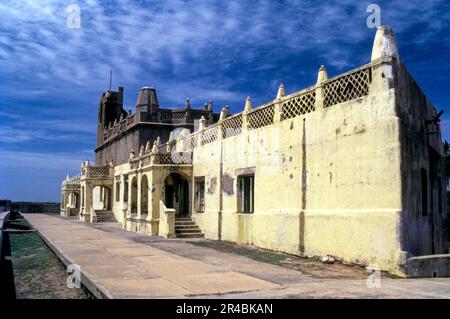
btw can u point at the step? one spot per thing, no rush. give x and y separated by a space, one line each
186 227
185 224
189 231
195 235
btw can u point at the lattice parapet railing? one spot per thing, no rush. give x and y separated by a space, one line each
210 135
261 117
299 105
165 115
179 115
174 158
197 114
232 126
99 171
191 141
347 87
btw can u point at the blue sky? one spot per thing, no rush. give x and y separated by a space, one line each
51 76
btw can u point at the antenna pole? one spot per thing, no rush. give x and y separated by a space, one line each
110 79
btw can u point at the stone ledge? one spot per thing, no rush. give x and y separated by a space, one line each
428 266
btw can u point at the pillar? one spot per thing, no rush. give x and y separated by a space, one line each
322 76
278 109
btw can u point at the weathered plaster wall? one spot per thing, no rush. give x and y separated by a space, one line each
317 176
421 148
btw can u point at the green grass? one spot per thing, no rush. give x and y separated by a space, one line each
37 271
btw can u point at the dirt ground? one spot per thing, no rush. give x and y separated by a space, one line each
309 266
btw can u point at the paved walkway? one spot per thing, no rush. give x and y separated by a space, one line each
120 264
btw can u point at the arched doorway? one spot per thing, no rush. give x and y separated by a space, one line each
74 200
101 198
176 194
133 204
144 195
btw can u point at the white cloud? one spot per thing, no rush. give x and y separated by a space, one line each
39 160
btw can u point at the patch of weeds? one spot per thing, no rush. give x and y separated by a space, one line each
37 271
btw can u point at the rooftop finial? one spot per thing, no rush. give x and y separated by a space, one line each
223 113
281 91
248 104
384 44
210 105
155 148
202 123
322 76
187 105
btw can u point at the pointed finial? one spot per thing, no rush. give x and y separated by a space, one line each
384 44
147 147
158 141
210 105
322 76
187 105
121 117
281 91
129 111
223 113
202 123
132 154
67 177
248 104
141 150
155 148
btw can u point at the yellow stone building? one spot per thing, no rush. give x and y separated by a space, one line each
351 166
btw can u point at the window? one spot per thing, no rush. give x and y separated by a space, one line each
246 193
125 188
424 183
117 191
199 194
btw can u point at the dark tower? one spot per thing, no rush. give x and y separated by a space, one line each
147 104
110 108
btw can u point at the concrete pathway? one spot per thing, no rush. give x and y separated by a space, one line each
120 264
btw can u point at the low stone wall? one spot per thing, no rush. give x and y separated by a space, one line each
36 207
429 266
3 219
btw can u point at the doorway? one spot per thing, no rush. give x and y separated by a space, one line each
176 194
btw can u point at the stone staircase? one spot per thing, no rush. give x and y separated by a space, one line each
185 227
105 216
